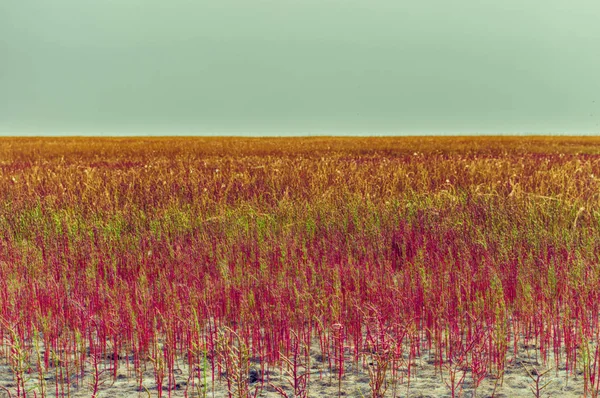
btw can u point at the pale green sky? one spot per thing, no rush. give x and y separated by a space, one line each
279 67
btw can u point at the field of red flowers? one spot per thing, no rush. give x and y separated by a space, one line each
190 265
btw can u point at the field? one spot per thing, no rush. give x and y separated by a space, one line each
231 267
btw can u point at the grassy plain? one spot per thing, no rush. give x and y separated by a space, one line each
203 260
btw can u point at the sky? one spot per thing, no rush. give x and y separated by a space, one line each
299 67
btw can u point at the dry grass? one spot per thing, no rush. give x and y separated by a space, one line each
150 247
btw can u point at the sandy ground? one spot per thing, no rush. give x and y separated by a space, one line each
425 381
